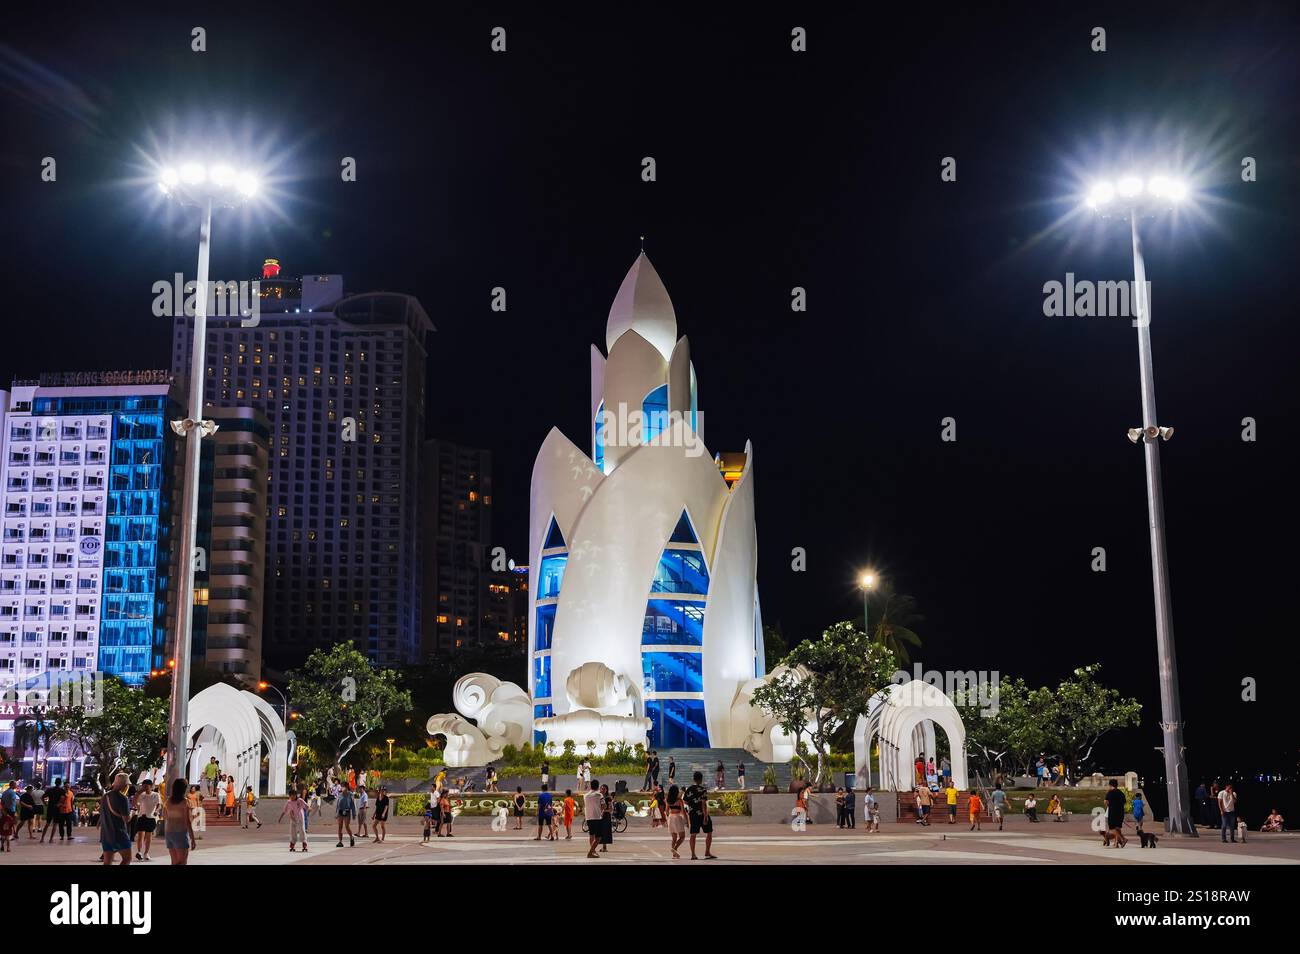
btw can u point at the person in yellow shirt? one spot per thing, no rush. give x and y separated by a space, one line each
250 799
951 793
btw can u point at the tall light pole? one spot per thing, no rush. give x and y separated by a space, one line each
867 582
1139 196
284 698
194 184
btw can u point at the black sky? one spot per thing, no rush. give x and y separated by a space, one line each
775 169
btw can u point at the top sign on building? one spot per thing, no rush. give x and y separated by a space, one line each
77 379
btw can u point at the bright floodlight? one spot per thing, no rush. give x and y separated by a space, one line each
193 173
169 178
247 184
1129 186
1166 187
1100 194
867 581
222 175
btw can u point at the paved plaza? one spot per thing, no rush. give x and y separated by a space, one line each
737 841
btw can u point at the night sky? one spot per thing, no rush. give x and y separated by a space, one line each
775 169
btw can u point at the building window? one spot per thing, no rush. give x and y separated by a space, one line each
677 723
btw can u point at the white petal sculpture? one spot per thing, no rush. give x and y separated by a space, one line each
466 745
586 725
593 685
500 709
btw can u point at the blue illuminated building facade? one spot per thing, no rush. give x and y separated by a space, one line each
86 569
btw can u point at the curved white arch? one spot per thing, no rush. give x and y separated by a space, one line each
903 718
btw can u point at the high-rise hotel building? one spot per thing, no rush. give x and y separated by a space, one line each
340 380
86 560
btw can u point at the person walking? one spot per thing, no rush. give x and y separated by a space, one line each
676 819
654 768
672 770
606 818
697 805
569 806
1115 814
296 809
740 776
1227 813
210 772
363 811
345 808
545 812
592 813
146 819
198 817
381 815
1139 810
924 802
950 793
648 781
720 777
850 808
8 816
519 803
27 812
114 822
53 805
975 808
250 802
999 798
178 825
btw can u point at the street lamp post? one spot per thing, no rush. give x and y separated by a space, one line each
867 581
284 699
1156 192
194 185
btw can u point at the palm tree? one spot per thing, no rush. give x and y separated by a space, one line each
892 617
31 732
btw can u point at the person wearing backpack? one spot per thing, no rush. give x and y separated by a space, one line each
250 800
697 806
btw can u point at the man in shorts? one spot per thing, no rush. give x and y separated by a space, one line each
999 799
924 802
951 794
593 808
545 811
697 808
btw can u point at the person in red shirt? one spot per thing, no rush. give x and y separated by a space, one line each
976 809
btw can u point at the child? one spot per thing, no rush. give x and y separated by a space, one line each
976 808
296 809
250 799
428 825
569 808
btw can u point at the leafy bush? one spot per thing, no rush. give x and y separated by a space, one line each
730 804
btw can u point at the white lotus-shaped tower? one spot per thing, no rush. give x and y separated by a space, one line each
642 553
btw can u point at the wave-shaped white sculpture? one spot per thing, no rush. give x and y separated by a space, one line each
585 725
500 709
466 743
593 685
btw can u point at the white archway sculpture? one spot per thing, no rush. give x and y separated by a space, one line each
902 718
232 725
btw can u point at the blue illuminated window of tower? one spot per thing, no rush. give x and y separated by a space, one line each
545 626
684 532
550 575
598 449
681 571
654 410
554 538
677 724
673 623
673 672
541 712
541 677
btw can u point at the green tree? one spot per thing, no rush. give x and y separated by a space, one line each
342 699
34 732
1009 730
127 734
892 616
1083 711
829 682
